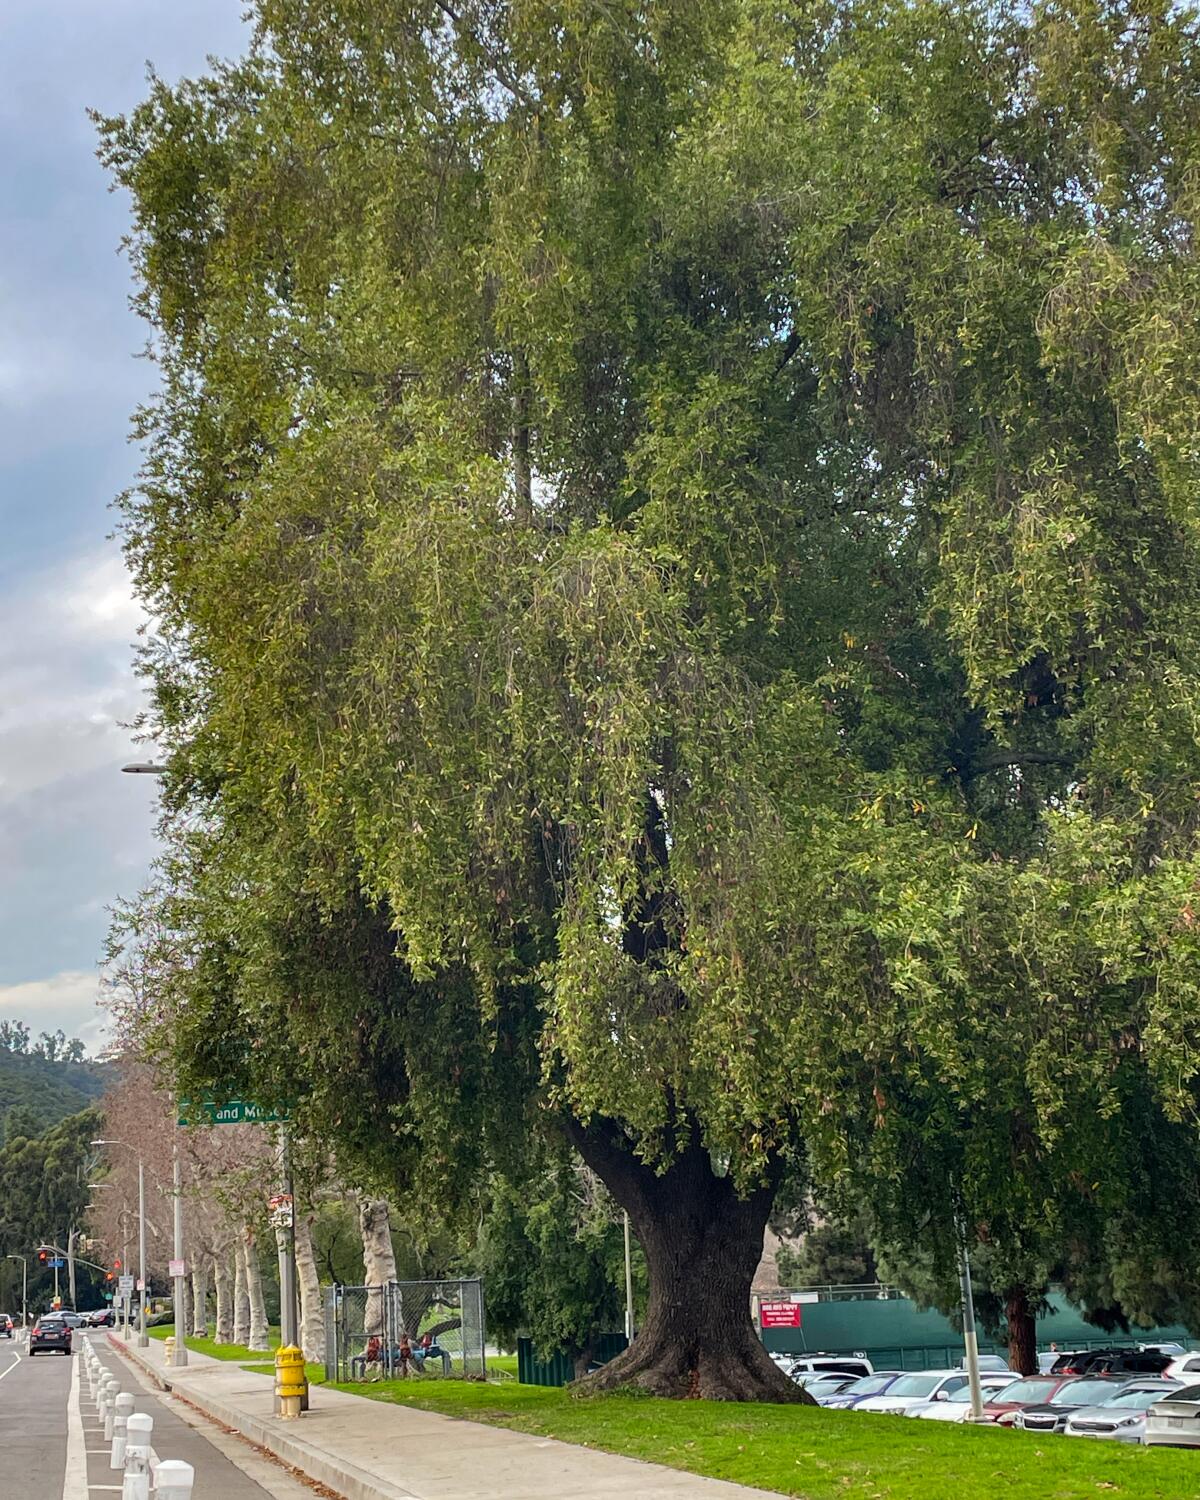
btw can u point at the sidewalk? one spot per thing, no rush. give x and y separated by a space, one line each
371 1450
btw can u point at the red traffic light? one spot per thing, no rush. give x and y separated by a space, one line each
43 1257
116 1265
108 1275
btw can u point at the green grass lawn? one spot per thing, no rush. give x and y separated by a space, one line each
814 1454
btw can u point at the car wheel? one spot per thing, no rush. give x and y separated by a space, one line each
32 1352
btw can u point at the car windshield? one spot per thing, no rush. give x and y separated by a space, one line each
1031 1391
1137 1400
868 1385
915 1385
991 1388
1084 1393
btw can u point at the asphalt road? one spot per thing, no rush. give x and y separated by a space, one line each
33 1422
52 1448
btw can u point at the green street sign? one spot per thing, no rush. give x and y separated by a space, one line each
230 1112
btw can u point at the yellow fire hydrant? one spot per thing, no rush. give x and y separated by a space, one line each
291 1383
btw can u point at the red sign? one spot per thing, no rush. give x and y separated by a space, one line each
779 1314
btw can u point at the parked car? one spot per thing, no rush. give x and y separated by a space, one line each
994 1364
1185 1367
957 1405
1174 1421
859 1390
6 1326
818 1386
1122 1418
1051 1415
1111 1362
50 1332
1131 1362
831 1364
914 1389
1168 1348
1047 1361
1027 1390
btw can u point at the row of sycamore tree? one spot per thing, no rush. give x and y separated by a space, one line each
673 541
549 1245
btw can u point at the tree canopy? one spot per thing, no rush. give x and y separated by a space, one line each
673 532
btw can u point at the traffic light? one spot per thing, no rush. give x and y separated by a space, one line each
108 1275
116 1265
43 1256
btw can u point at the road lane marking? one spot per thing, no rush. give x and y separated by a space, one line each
16 1360
75 1474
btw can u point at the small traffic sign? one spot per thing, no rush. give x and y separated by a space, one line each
56 1262
176 1268
125 1285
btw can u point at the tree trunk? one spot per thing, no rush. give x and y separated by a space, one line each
702 1244
221 1280
241 1301
200 1297
1022 1332
312 1314
379 1263
254 1290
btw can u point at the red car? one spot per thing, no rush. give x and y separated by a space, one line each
1029 1390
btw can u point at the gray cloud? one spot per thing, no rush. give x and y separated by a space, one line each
74 833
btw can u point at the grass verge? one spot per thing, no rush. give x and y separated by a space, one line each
813 1454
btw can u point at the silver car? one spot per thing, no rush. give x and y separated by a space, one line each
1122 1419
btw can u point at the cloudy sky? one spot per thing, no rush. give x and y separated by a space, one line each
74 833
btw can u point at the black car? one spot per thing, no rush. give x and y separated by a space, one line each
6 1326
51 1331
103 1317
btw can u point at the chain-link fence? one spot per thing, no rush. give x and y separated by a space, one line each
420 1328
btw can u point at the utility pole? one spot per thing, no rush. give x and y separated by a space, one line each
71 1233
180 1355
143 1336
24 1288
628 1285
289 1330
970 1339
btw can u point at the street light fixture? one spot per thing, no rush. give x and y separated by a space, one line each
144 768
143 1336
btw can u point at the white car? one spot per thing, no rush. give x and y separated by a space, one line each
853 1366
1185 1367
956 1407
916 1389
1174 1422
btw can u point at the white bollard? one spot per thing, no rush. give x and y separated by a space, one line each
110 1415
174 1480
136 1484
116 1458
108 1395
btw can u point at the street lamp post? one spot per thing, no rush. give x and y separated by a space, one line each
24 1288
143 1336
179 1354
179 1294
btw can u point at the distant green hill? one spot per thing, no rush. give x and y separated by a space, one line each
43 1092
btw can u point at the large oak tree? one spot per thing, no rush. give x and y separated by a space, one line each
673 529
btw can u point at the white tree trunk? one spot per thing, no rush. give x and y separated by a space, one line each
312 1314
241 1299
258 1311
224 1287
200 1297
379 1263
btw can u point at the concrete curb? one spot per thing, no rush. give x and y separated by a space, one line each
351 1482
